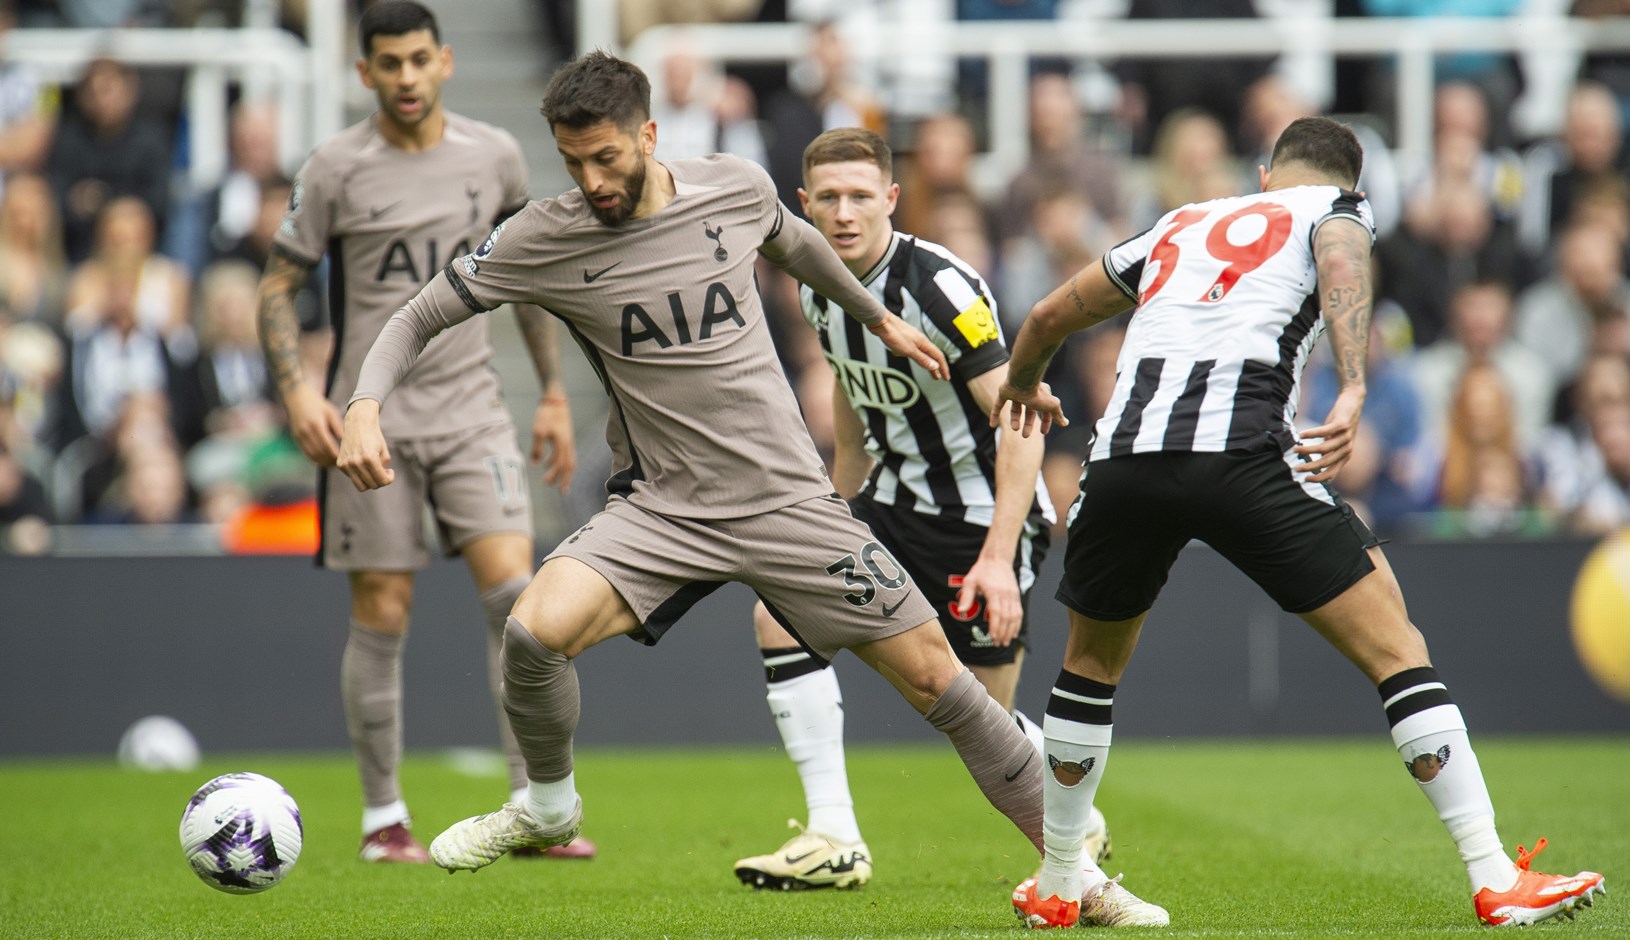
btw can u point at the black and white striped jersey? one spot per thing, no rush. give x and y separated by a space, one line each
933 449
1227 314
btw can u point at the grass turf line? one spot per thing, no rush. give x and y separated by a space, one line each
1237 839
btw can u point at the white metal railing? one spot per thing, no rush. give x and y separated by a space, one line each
268 63
1555 41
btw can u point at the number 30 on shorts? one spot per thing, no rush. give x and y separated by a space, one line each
864 587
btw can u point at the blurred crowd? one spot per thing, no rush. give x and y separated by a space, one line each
132 388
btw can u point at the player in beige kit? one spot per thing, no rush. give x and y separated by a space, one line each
389 200
651 267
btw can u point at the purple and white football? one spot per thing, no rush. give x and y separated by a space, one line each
241 833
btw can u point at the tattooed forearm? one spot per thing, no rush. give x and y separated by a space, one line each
278 322
1028 373
1342 250
538 330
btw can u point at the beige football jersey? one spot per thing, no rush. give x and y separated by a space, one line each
389 220
703 423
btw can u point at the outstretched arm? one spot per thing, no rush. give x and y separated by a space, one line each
799 250
363 454
1087 298
1018 462
552 431
313 421
1341 254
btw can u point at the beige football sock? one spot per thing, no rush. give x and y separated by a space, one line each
496 603
998 755
371 688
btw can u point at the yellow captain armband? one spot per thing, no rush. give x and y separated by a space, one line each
976 323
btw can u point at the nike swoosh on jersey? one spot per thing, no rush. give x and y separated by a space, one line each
376 213
591 278
889 611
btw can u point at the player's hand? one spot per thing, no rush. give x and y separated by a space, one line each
315 424
1029 406
554 443
1330 445
999 586
363 454
903 339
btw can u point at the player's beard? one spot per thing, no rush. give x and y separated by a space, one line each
627 201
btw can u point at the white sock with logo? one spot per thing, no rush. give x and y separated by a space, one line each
1078 728
1430 735
808 711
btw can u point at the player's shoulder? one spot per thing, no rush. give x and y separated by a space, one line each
926 261
719 169
468 131
344 148
554 216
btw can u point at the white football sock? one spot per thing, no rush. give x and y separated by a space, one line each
553 803
375 818
1078 728
808 712
1430 735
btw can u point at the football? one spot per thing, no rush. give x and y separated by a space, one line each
241 833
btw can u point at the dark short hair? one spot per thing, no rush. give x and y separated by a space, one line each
849 144
597 87
394 18
1325 145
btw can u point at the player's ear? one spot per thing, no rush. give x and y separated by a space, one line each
446 62
648 137
893 196
362 73
803 201
1262 177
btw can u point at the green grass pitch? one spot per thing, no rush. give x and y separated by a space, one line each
1236 838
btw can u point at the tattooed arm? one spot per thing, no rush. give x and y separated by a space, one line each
313 420
552 431
1341 253
1087 298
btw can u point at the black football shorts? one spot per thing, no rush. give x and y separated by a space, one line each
1298 540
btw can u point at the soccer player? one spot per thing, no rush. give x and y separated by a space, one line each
1197 443
389 200
651 267
965 511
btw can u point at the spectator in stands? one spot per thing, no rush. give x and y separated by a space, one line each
823 94
1564 315
151 490
1480 332
1481 427
636 16
701 110
114 355
1604 497
1064 234
939 167
1568 454
213 222
31 360
33 272
1153 89
1495 73
1191 161
25 512
1462 149
27 112
102 151
231 369
1590 147
1607 68
125 251
1392 421
1271 104
1060 157
1448 239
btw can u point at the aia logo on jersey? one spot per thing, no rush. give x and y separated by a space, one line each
718 308
719 254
